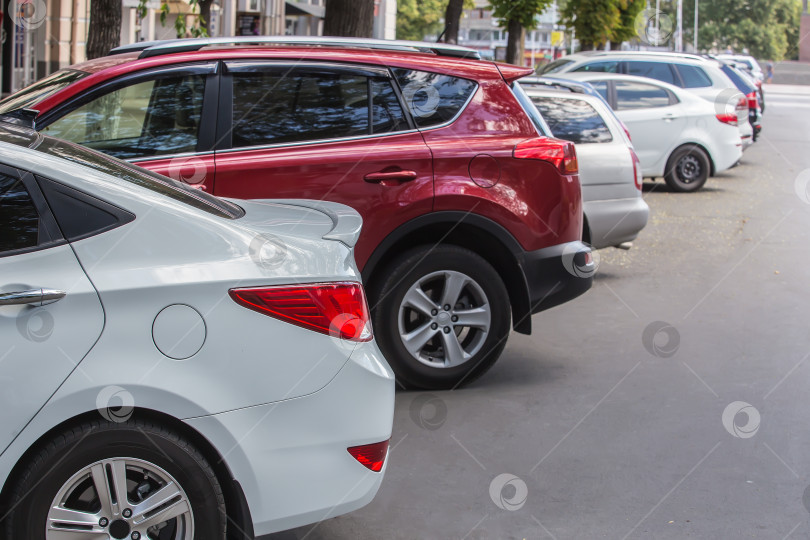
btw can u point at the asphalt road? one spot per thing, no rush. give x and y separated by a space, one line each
612 437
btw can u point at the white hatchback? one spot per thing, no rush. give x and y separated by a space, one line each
609 170
174 365
676 134
699 75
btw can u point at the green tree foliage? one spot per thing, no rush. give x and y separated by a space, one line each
592 20
419 18
767 29
515 16
628 11
180 28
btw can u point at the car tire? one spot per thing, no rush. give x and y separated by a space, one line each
455 353
65 470
688 169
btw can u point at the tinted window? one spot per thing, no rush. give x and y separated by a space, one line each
275 107
553 67
386 112
432 98
737 79
40 90
19 220
659 71
633 95
144 119
693 76
600 67
573 120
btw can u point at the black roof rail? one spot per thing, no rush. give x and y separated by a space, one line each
157 48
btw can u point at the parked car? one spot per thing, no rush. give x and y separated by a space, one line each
470 212
176 365
746 85
676 134
748 62
609 170
702 76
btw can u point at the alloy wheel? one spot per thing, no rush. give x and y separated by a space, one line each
120 498
444 319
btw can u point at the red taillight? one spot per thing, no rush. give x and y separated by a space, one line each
370 455
561 154
752 100
626 131
728 118
636 170
742 104
335 309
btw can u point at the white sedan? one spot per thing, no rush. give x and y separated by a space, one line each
676 134
609 170
174 365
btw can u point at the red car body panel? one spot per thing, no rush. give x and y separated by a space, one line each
464 167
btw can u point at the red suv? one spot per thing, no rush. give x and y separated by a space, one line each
472 215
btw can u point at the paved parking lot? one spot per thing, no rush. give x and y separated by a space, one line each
671 401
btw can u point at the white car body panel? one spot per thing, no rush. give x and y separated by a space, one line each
259 389
614 209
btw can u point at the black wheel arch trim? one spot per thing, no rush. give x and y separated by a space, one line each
515 282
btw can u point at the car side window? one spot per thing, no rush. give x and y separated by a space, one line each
433 98
610 66
573 120
693 76
660 71
19 219
634 95
149 118
386 112
277 107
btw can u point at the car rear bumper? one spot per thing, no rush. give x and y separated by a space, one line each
290 457
614 221
557 274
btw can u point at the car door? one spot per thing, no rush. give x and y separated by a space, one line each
654 119
50 314
162 119
327 132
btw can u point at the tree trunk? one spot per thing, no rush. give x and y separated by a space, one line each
105 27
452 16
349 18
205 14
514 44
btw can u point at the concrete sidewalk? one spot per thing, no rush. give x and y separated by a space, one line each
790 72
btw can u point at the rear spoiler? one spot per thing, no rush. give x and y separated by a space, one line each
346 222
512 73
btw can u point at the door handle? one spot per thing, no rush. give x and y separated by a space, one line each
384 176
38 297
668 117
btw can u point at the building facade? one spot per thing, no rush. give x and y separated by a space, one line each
42 36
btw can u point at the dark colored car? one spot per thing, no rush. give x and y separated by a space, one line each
472 218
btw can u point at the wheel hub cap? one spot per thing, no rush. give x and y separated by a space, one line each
444 319
119 529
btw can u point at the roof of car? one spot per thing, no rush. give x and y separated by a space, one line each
650 54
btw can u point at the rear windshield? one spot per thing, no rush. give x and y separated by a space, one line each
167 187
553 67
737 79
573 120
33 94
